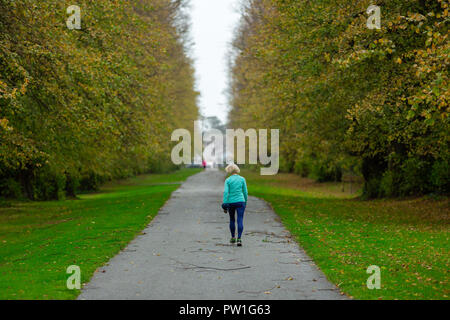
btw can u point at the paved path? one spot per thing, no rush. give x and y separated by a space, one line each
184 254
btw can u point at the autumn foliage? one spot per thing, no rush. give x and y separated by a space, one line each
78 107
346 98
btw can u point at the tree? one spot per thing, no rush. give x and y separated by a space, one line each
81 106
345 96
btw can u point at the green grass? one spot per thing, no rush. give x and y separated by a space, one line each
39 240
408 239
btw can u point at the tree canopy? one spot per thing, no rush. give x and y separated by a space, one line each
346 97
81 106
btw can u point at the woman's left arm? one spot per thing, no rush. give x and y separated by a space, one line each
225 192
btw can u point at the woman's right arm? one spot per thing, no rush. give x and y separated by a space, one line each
244 190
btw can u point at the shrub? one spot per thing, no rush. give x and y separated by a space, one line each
72 185
302 168
387 187
414 177
10 188
91 182
323 172
440 175
47 185
371 188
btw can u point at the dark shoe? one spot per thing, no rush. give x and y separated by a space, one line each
233 240
239 242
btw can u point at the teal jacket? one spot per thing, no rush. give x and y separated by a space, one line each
235 189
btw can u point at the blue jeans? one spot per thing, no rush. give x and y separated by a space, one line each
232 208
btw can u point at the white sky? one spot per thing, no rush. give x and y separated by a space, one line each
212 25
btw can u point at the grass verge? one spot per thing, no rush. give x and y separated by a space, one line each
408 239
39 240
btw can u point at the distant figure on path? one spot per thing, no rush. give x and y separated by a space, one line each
235 196
204 164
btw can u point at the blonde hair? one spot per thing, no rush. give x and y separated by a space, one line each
232 168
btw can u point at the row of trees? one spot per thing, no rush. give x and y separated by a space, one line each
346 97
78 107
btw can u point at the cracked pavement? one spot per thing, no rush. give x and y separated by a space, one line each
184 253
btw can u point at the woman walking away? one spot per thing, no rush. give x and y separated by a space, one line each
235 200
